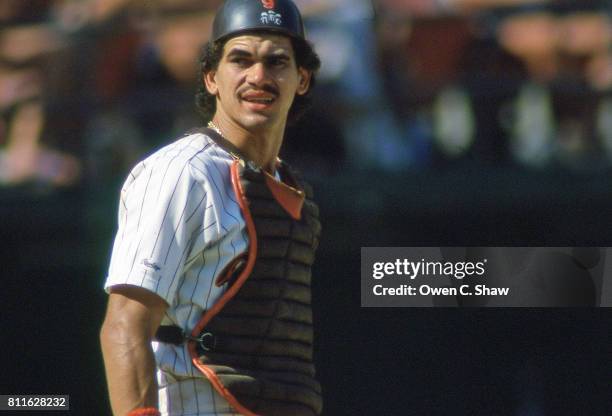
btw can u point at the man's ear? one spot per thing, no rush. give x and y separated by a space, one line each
210 83
304 77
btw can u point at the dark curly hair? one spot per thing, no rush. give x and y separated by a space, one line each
305 57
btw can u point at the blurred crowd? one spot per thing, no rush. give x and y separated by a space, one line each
88 87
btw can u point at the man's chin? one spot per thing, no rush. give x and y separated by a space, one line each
257 121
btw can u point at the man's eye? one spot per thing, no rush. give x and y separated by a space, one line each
240 61
276 61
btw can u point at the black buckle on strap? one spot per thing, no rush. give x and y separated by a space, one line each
206 340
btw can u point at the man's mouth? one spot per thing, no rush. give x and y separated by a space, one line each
263 97
258 100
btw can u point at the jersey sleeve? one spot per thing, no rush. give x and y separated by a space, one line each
161 207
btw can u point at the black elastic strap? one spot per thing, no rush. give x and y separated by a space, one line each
170 334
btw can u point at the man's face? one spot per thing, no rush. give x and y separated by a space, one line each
257 80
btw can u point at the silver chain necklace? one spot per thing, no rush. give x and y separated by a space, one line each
234 155
215 128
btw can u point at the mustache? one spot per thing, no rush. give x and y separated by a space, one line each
265 88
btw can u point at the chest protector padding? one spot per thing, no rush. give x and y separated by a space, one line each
263 353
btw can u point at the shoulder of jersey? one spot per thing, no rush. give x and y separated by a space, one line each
194 149
183 149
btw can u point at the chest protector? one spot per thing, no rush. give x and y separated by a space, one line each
258 349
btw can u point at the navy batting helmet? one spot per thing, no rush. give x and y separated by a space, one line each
236 16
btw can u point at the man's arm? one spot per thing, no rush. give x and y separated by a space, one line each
132 317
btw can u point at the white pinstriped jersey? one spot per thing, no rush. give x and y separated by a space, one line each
179 226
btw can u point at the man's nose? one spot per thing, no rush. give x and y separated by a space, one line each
257 73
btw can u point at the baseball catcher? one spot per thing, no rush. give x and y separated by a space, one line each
209 281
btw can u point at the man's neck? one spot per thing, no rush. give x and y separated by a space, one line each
260 147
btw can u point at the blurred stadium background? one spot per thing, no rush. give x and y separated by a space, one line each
435 122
